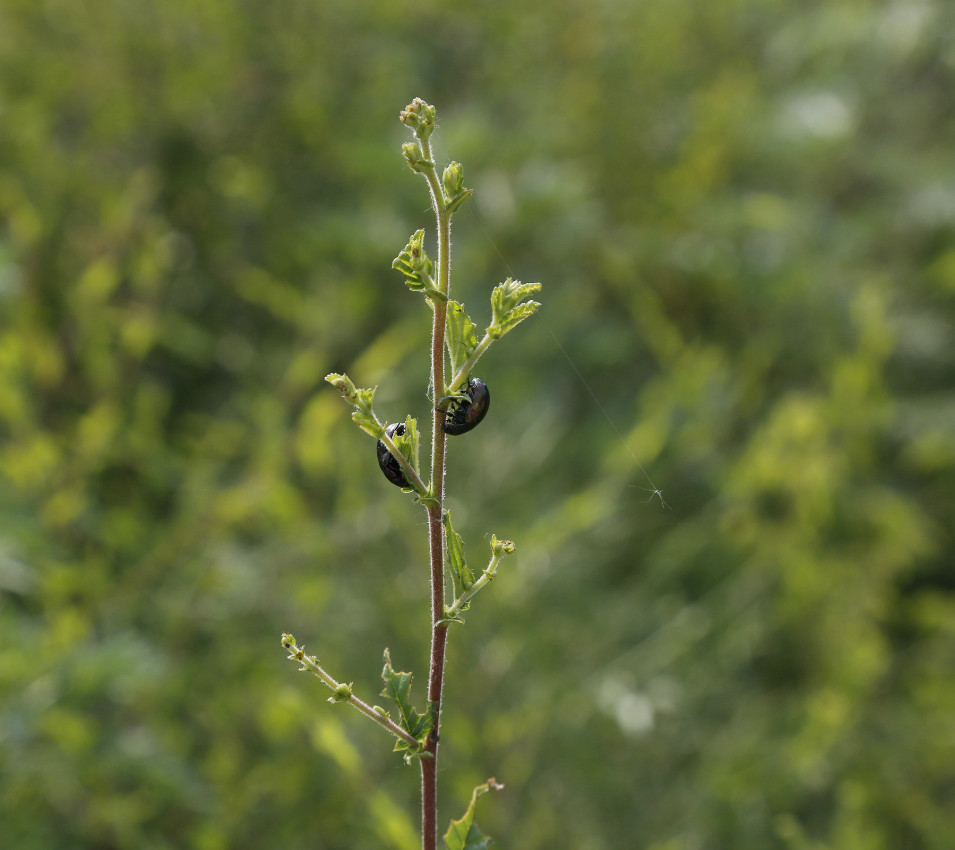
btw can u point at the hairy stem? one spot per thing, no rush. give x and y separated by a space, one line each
439 631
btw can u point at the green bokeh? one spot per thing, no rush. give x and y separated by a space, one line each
743 216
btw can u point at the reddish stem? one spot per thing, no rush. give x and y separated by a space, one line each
439 633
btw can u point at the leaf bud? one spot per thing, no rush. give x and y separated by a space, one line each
453 179
418 116
342 693
502 547
343 384
415 158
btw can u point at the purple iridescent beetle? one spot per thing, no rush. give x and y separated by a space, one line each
463 415
388 462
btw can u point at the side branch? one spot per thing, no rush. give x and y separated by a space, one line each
343 692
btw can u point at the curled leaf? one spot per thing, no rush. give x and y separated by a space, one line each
398 688
362 399
464 834
461 337
413 262
461 574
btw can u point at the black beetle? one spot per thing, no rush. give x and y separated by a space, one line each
388 462
461 416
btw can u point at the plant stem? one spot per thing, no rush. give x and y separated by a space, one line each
439 631
486 577
468 365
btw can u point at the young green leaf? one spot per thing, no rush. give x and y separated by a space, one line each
407 443
506 307
453 180
413 262
361 399
397 688
454 191
461 574
464 834
414 156
462 601
461 337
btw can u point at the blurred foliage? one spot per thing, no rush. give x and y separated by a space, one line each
743 214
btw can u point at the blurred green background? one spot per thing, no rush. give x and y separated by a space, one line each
743 216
